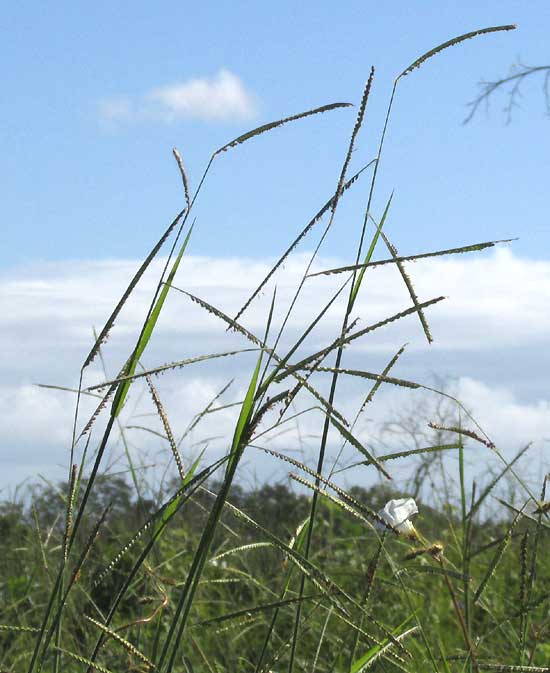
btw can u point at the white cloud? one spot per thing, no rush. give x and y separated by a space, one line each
497 308
509 421
221 98
495 300
115 109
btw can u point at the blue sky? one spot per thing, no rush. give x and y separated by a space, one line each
95 96
76 186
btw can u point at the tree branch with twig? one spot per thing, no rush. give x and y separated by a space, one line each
515 78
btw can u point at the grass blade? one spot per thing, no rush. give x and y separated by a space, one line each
147 331
103 335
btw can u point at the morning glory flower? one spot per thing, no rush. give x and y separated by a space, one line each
397 513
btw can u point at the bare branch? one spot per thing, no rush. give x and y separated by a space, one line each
517 74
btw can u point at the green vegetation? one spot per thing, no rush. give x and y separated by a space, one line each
500 568
202 575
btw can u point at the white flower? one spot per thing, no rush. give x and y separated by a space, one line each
397 513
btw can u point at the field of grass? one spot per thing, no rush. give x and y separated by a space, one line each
200 574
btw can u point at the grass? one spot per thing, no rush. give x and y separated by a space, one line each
207 577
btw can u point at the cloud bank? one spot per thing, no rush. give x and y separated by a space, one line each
221 98
491 337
